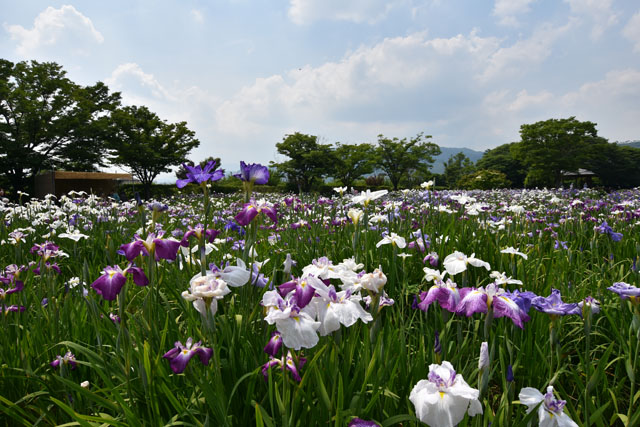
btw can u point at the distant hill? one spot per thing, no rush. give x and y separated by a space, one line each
447 152
635 144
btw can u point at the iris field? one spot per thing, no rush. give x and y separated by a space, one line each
359 309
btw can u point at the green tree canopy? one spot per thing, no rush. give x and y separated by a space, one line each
309 161
457 166
47 121
484 179
351 162
552 146
501 159
401 158
147 145
616 166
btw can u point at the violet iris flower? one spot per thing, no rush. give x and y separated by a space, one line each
606 229
446 293
359 422
626 291
303 291
504 304
198 174
554 305
180 355
161 248
210 234
275 343
251 210
111 282
253 172
286 362
67 359
18 285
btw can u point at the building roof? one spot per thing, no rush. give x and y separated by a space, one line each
580 172
91 175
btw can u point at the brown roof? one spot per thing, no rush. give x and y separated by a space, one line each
91 175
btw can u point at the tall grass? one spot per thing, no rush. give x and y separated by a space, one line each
365 371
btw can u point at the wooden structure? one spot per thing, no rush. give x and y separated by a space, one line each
581 176
61 182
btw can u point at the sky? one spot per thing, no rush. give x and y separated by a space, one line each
244 74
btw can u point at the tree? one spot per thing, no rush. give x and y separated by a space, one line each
501 159
457 166
550 147
484 179
351 162
308 161
47 121
147 145
399 158
616 166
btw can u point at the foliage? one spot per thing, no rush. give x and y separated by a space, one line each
147 145
484 179
400 158
309 161
48 122
616 166
454 168
549 147
352 161
501 159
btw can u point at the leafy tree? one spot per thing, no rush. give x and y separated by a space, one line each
550 147
351 162
147 145
47 121
484 179
616 166
457 166
308 161
400 158
501 159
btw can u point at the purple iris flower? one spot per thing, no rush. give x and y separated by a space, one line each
180 355
198 174
161 248
359 422
286 362
253 172
197 231
14 308
606 229
113 279
446 293
18 285
251 210
303 292
67 359
626 291
275 343
554 305
512 305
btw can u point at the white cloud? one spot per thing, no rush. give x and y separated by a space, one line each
524 53
508 10
63 29
197 16
610 102
599 12
136 84
365 82
632 31
306 11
